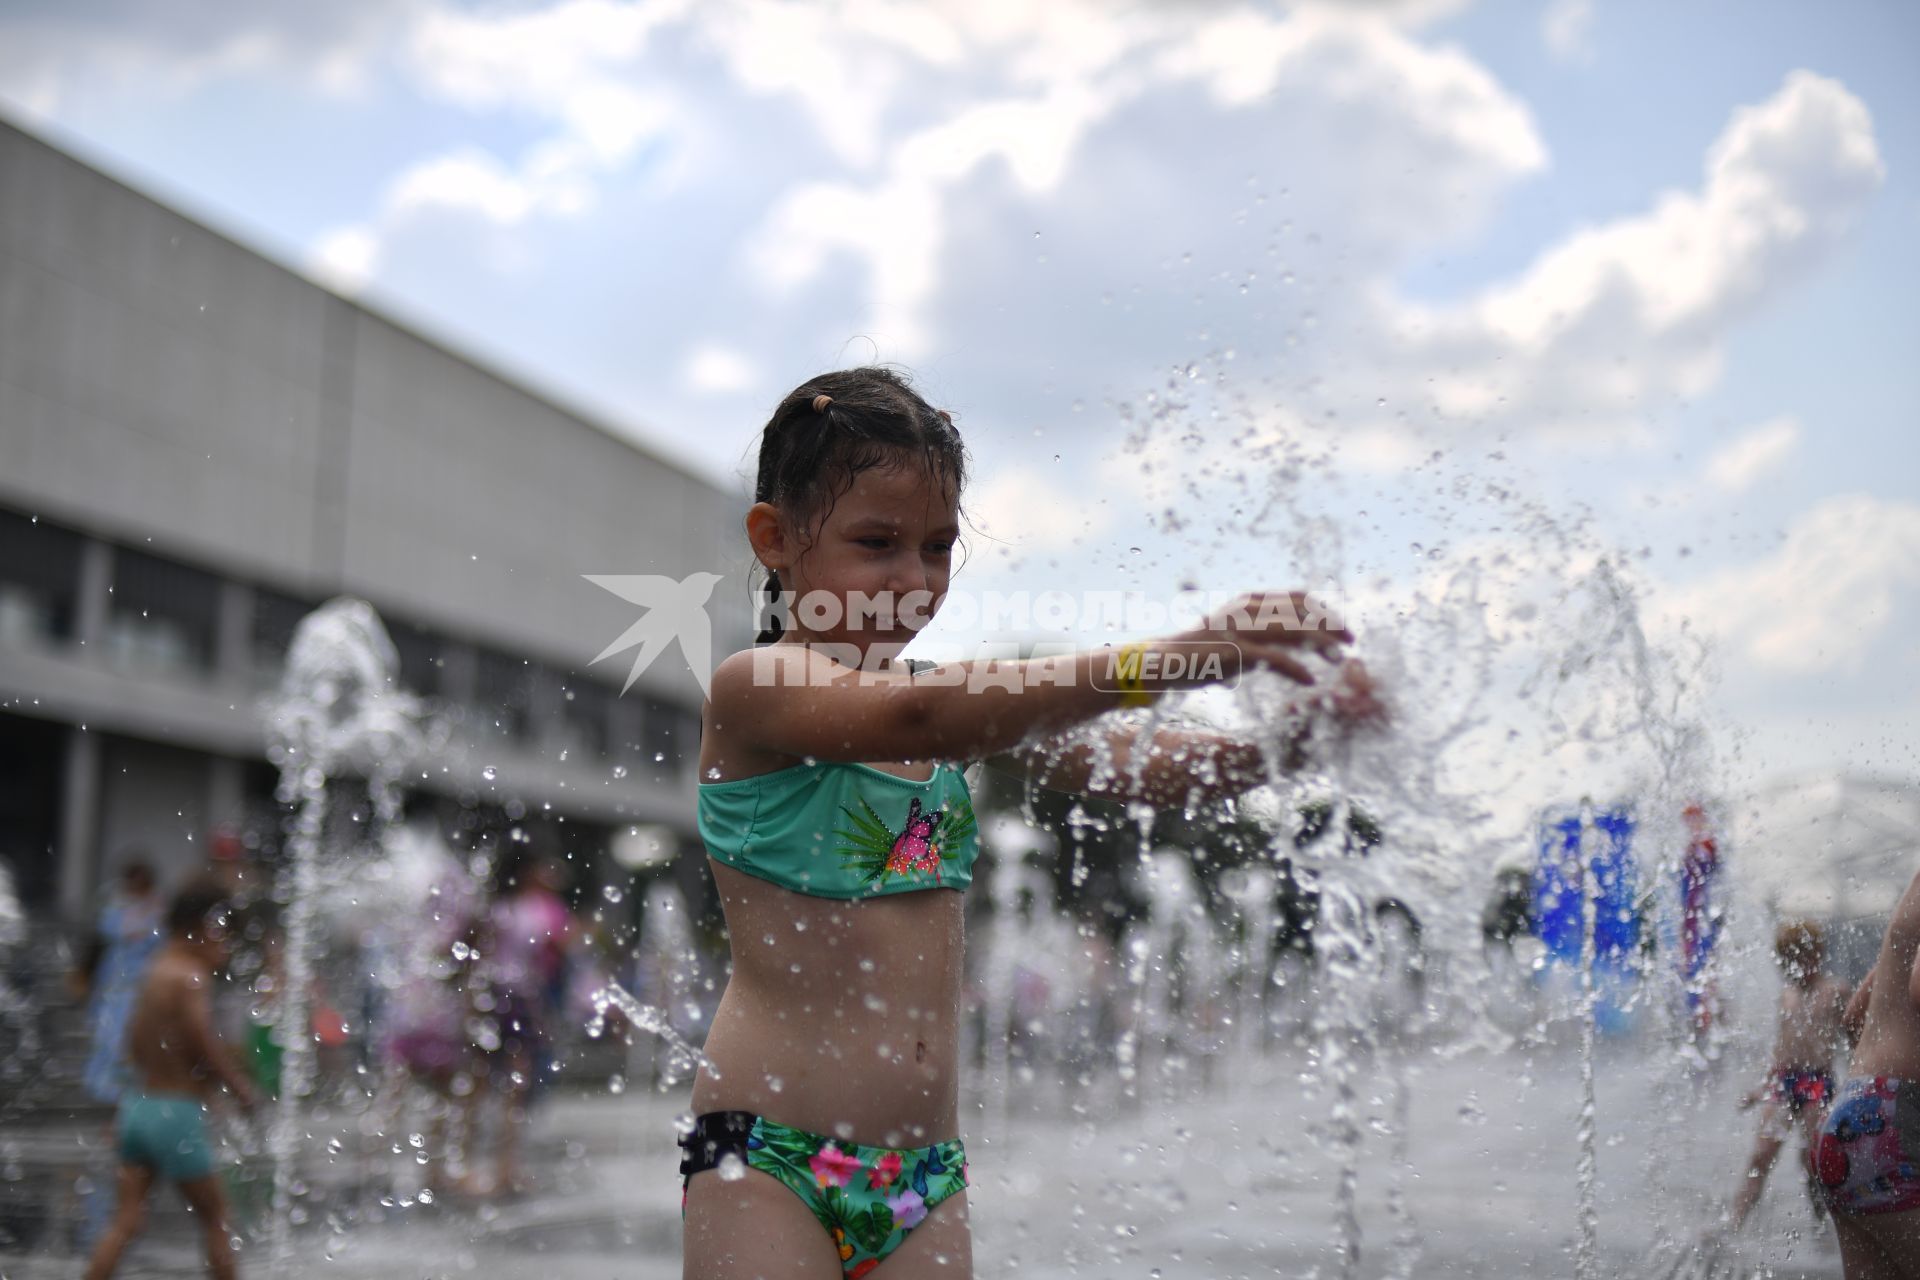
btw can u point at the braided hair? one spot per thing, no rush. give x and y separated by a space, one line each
832 427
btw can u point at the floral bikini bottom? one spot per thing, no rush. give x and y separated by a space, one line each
866 1198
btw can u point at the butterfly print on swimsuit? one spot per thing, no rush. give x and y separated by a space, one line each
925 839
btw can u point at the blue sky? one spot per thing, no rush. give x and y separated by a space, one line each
1458 265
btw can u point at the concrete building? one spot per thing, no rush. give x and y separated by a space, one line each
197 446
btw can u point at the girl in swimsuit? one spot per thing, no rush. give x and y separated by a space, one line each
841 834
1867 1156
1799 1082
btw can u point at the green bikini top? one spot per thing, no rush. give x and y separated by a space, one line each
836 830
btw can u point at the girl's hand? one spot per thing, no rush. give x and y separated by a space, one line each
1272 629
1354 701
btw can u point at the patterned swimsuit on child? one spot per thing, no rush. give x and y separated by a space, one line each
1868 1154
847 831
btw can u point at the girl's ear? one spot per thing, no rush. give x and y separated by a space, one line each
767 535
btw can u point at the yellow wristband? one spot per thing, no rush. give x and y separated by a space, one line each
1129 665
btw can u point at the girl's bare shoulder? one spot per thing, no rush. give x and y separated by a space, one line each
727 746
743 675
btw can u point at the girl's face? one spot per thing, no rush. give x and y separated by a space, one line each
888 539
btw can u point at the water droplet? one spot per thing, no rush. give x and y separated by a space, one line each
612 893
489 773
731 1167
616 1084
619 771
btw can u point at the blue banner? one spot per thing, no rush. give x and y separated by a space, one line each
1577 859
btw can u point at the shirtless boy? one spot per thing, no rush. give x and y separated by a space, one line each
178 1060
1867 1156
1799 1082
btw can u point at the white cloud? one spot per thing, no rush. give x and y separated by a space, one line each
345 259
845 64
1024 509
466 179
570 65
1736 466
1567 27
563 63
553 180
1450 123
1633 311
1411 13
1785 177
1242 57
66 58
1821 600
715 369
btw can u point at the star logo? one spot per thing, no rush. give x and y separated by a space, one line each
675 610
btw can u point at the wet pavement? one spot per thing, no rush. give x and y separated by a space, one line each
1235 1180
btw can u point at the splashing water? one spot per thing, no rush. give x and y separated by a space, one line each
19 1033
613 998
1521 673
337 712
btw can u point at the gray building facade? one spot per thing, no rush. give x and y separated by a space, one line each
198 445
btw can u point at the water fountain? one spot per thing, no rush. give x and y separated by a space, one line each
19 1036
1175 969
338 713
666 978
1519 678
1032 979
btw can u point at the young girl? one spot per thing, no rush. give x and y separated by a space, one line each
1799 1084
841 836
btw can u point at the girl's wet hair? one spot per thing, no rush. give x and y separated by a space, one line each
834 426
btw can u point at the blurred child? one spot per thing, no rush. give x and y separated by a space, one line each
1867 1156
111 974
1799 1084
178 1060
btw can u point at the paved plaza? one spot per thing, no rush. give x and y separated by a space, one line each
1228 1181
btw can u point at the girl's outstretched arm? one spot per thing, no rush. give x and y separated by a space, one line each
1173 766
797 700
1181 766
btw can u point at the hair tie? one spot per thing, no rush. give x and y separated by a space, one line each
821 401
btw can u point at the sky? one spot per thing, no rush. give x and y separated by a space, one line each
1550 307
